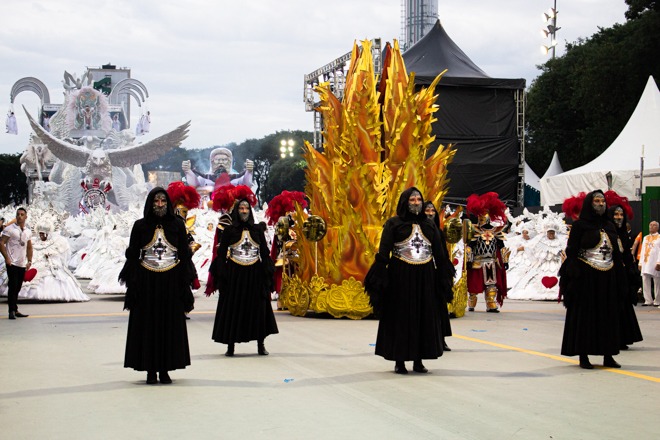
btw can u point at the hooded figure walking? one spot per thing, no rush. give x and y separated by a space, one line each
407 283
243 273
157 276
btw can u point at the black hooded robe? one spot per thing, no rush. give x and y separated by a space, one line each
157 338
410 295
591 296
630 331
244 310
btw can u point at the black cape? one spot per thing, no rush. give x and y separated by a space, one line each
409 296
157 338
244 310
630 331
591 297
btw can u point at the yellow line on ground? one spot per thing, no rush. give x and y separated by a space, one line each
556 358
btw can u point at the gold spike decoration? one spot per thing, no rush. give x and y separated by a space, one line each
375 146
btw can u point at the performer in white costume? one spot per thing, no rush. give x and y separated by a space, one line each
53 281
540 281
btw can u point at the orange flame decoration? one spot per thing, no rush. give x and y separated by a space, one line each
372 152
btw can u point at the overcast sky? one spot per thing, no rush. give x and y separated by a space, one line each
235 69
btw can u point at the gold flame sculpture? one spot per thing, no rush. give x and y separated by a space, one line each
376 143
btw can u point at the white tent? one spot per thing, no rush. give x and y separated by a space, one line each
531 178
621 161
554 168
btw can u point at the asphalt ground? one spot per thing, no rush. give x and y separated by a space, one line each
62 377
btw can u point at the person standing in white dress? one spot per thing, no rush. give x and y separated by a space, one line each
53 281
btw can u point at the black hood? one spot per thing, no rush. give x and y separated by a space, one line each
149 204
402 207
436 220
236 220
588 213
610 217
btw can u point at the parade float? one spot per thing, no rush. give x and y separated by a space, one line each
376 141
83 154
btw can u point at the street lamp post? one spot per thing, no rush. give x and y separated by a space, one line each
286 147
550 18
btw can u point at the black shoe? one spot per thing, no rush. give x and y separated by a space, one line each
165 378
470 309
20 315
418 367
230 350
261 349
187 317
151 378
400 368
608 361
493 311
445 347
624 347
12 315
584 362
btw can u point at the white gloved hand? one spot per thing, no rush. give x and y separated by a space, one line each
249 165
185 166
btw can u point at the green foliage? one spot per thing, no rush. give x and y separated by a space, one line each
14 189
582 100
637 7
285 174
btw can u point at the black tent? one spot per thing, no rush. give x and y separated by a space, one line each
481 115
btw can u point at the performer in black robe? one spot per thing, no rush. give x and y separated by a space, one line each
590 287
243 273
432 213
409 280
157 277
618 211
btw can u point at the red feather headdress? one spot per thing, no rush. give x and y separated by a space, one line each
225 196
488 203
613 199
182 194
573 205
283 203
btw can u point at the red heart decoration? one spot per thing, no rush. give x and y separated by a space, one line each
549 282
30 274
455 262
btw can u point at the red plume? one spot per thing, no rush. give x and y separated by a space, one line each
487 203
613 199
223 198
283 203
180 193
573 205
241 192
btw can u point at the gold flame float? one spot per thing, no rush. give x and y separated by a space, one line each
376 142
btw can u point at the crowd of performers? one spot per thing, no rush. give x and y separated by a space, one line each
159 259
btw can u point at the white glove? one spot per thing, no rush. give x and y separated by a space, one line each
185 166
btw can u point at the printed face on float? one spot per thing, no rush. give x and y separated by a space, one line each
160 205
525 234
415 203
221 162
430 212
598 204
550 234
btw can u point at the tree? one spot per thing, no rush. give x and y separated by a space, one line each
582 100
14 189
637 7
